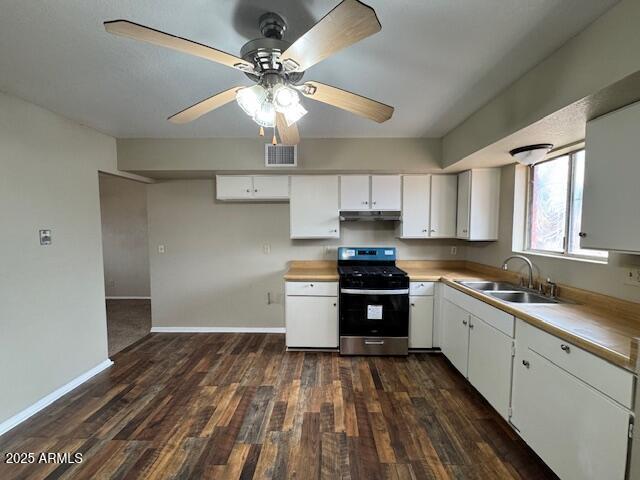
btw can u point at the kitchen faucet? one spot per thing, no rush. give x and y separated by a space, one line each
524 259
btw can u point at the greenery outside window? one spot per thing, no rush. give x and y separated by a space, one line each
554 207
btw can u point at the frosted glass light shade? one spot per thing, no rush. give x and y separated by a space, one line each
251 98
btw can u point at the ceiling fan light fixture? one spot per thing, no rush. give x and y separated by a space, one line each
265 116
250 99
284 97
294 113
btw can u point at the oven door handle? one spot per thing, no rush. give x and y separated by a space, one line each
356 291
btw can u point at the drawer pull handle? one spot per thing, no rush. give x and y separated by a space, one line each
335 304
374 342
526 363
566 348
470 325
464 322
311 284
413 304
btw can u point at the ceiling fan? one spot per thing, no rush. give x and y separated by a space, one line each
277 67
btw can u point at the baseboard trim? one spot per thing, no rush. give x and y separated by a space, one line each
44 402
218 330
128 298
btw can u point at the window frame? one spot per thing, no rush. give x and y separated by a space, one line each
568 213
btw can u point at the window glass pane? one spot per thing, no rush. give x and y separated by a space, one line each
576 210
548 212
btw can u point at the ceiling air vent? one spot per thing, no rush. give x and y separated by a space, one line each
280 155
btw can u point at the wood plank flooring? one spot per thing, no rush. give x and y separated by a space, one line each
237 406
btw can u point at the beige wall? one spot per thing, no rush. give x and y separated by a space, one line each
607 279
123 209
198 156
603 53
52 315
214 271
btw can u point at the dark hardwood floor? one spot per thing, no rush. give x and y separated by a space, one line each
237 406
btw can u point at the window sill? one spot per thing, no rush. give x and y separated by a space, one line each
563 257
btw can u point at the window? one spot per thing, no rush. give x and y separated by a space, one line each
555 207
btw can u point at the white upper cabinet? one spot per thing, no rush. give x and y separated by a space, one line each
354 192
444 197
416 192
370 192
610 219
252 187
271 186
464 207
478 204
234 187
385 192
314 209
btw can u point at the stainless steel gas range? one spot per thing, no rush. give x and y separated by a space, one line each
374 302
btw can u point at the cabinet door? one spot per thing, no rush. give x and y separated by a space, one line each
354 192
415 206
385 192
464 197
421 322
577 431
455 335
271 186
610 219
444 197
490 364
234 187
312 322
484 204
313 208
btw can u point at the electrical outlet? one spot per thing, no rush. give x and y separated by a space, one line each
632 276
266 248
454 250
161 249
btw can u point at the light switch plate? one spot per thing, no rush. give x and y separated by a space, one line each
45 237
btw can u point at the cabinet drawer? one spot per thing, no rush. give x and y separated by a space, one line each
421 288
313 289
491 315
613 381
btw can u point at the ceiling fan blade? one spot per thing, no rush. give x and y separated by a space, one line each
346 24
288 134
363 106
205 106
128 29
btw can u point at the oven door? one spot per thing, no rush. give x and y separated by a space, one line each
374 313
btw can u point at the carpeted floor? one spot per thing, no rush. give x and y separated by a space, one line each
127 322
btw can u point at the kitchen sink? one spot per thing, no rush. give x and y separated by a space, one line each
521 297
491 286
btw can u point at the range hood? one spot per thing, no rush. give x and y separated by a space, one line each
369 215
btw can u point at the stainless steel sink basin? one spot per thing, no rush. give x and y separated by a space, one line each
490 286
521 297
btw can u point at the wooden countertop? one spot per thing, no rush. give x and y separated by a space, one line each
602 325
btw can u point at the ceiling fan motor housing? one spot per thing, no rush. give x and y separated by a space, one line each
264 53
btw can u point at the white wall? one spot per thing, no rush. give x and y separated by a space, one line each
214 271
123 209
607 279
52 313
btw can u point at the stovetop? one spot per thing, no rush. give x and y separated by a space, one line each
371 271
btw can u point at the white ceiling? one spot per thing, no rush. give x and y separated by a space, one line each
436 61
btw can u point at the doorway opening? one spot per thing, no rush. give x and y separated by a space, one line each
125 250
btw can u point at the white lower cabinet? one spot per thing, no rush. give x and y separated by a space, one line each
311 314
455 335
577 430
482 352
490 364
421 315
